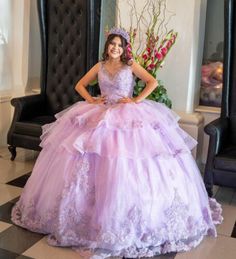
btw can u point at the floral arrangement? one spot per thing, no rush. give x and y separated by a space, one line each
159 42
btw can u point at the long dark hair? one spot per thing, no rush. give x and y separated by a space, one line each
124 59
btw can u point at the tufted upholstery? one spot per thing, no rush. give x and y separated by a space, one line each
70 38
221 161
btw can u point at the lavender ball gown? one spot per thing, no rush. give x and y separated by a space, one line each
118 179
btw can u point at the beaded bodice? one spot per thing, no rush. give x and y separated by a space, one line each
116 86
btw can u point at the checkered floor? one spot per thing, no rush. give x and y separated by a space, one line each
19 243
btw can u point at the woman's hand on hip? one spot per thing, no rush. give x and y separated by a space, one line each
126 100
98 100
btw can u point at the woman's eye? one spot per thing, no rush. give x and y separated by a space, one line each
114 44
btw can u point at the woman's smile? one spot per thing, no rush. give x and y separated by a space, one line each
115 49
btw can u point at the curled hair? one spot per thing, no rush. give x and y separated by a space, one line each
124 58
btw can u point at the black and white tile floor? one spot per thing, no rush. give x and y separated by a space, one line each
19 243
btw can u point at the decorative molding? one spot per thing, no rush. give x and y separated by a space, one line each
194 119
5 98
208 109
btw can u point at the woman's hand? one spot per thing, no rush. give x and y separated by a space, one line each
127 100
98 100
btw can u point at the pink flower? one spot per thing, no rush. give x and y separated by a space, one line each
145 57
164 51
151 66
129 51
159 56
169 44
128 48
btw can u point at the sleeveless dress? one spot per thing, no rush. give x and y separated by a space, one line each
117 179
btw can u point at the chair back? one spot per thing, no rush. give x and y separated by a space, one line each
70 39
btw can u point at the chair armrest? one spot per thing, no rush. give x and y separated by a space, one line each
27 107
217 130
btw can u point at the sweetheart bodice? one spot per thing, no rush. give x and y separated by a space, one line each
116 86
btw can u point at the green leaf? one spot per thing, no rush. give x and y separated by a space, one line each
158 95
94 82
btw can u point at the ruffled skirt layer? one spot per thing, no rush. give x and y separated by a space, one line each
119 180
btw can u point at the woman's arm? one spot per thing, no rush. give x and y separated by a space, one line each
80 87
150 81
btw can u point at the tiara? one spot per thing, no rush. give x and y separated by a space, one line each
120 31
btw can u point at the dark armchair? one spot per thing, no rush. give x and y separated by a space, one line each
70 42
221 161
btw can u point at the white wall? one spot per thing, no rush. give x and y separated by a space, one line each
34 49
17 57
181 71
20 46
5 47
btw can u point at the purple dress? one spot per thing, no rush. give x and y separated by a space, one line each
118 179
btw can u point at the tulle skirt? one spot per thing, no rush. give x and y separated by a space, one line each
119 180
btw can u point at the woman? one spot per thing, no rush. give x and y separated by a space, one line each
116 173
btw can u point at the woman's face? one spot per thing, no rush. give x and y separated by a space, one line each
115 49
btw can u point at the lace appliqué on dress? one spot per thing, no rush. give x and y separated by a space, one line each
180 233
61 218
70 223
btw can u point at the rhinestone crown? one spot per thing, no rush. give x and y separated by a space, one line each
120 31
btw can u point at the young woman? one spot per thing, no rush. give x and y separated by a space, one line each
116 174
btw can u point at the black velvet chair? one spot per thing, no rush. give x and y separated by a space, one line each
221 161
70 43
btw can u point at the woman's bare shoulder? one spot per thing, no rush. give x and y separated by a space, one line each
135 66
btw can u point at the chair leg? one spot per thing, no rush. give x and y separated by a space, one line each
12 150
